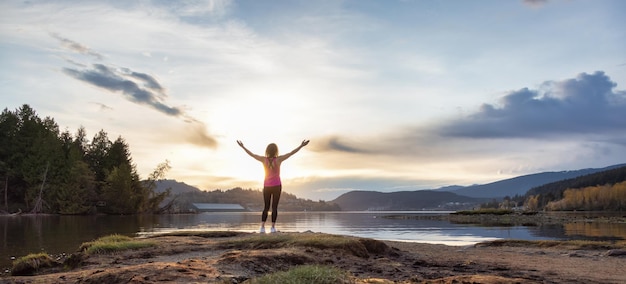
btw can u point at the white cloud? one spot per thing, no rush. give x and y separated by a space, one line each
389 93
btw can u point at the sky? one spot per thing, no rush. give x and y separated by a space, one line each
394 95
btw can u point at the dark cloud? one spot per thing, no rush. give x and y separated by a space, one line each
103 107
586 110
149 81
136 87
143 89
140 88
76 47
334 144
587 104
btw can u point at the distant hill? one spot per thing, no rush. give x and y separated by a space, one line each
404 200
556 189
177 187
520 185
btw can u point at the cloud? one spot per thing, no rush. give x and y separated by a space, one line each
137 87
333 143
196 133
77 47
198 8
573 120
587 104
102 106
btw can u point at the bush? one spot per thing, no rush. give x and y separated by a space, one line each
31 263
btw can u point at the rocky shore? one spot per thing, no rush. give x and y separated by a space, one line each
235 257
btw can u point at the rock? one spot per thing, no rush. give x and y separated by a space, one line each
616 252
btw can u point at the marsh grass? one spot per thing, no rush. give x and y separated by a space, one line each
27 265
305 274
114 243
573 244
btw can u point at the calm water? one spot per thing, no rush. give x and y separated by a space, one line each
22 235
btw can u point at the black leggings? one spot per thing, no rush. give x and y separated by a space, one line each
268 191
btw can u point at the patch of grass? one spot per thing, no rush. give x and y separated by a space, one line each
202 234
485 211
260 241
27 265
114 243
320 241
305 274
324 241
280 240
573 244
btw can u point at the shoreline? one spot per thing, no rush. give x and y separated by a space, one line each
522 218
232 257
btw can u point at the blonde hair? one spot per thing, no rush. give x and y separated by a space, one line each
271 151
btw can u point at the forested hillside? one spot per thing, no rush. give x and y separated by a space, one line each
520 185
249 199
405 200
598 191
43 169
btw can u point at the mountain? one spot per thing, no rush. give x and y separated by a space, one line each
404 200
520 185
176 187
556 189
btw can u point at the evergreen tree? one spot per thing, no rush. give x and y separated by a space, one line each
77 173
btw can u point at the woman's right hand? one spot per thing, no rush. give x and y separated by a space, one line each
304 143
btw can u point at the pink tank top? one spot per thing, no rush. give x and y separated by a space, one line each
272 172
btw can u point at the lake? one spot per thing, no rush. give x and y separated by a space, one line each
55 234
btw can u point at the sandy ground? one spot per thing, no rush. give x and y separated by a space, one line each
228 258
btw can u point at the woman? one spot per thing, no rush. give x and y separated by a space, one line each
272 186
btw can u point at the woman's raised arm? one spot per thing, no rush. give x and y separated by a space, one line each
253 155
286 156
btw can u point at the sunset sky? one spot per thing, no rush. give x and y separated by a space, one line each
394 95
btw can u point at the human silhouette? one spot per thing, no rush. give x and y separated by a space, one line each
272 185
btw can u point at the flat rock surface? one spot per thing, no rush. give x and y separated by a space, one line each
234 259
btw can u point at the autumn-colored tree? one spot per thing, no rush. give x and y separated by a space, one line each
593 198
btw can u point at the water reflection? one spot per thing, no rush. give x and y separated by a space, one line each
53 234
600 231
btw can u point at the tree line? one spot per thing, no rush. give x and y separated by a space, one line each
45 170
248 198
603 191
592 198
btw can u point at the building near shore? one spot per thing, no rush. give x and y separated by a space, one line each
218 207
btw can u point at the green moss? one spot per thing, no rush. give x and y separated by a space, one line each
305 274
28 265
114 243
